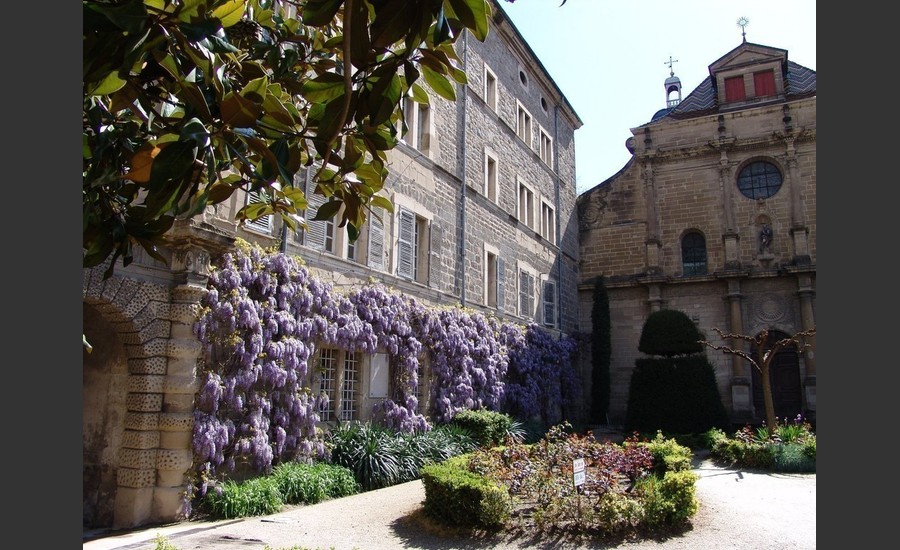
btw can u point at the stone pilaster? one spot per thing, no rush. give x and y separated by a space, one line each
808 320
741 396
175 455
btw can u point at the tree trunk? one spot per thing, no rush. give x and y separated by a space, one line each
771 422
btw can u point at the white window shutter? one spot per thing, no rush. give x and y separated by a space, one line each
550 303
405 245
376 240
315 232
501 287
263 224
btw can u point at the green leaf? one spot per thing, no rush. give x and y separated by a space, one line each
219 192
190 9
393 22
474 14
108 85
383 98
328 210
191 95
194 129
239 112
382 202
420 95
320 12
131 17
230 13
439 83
172 162
256 210
352 232
323 88
256 89
361 53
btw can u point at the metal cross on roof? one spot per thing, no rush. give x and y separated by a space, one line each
670 62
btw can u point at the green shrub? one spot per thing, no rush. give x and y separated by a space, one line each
456 496
792 448
488 428
790 457
670 500
668 454
301 483
617 512
253 497
678 395
669 332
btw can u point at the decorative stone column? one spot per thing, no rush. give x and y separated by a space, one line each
190 265
741 396
808 320
136 475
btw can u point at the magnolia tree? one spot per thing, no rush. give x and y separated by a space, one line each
265 316
188 101
765 353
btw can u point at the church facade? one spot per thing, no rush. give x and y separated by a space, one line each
715 215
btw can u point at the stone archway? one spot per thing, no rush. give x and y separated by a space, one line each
104 388
138 421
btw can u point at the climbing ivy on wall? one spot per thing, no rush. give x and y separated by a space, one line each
263 318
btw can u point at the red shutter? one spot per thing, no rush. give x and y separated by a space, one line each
764 83
734 88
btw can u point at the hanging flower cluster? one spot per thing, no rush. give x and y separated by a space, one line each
541 378
263 318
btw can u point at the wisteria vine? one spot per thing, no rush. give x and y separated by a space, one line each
263 318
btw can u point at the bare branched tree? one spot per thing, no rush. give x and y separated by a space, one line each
764 359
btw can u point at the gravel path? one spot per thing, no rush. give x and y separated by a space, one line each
739 509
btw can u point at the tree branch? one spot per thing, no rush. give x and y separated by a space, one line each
348 85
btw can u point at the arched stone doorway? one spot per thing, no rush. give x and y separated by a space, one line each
103 409
784 376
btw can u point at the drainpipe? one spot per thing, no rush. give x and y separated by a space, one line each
558 216
462 219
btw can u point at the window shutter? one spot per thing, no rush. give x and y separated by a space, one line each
764 83
263 224
734 88
315 234
405 243
501 287
376 240
549 303
435 253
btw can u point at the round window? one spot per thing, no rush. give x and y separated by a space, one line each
759 180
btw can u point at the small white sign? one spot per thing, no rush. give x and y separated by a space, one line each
579 478
578 470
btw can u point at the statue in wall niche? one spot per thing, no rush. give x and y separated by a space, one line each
765 239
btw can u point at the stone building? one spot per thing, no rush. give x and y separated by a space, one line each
714 215
484 196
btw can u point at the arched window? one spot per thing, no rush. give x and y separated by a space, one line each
693 254
759 180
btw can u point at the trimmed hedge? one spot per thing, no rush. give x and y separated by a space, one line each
675 395
456 496
488 428
669 332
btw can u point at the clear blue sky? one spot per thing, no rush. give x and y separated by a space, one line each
609 57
